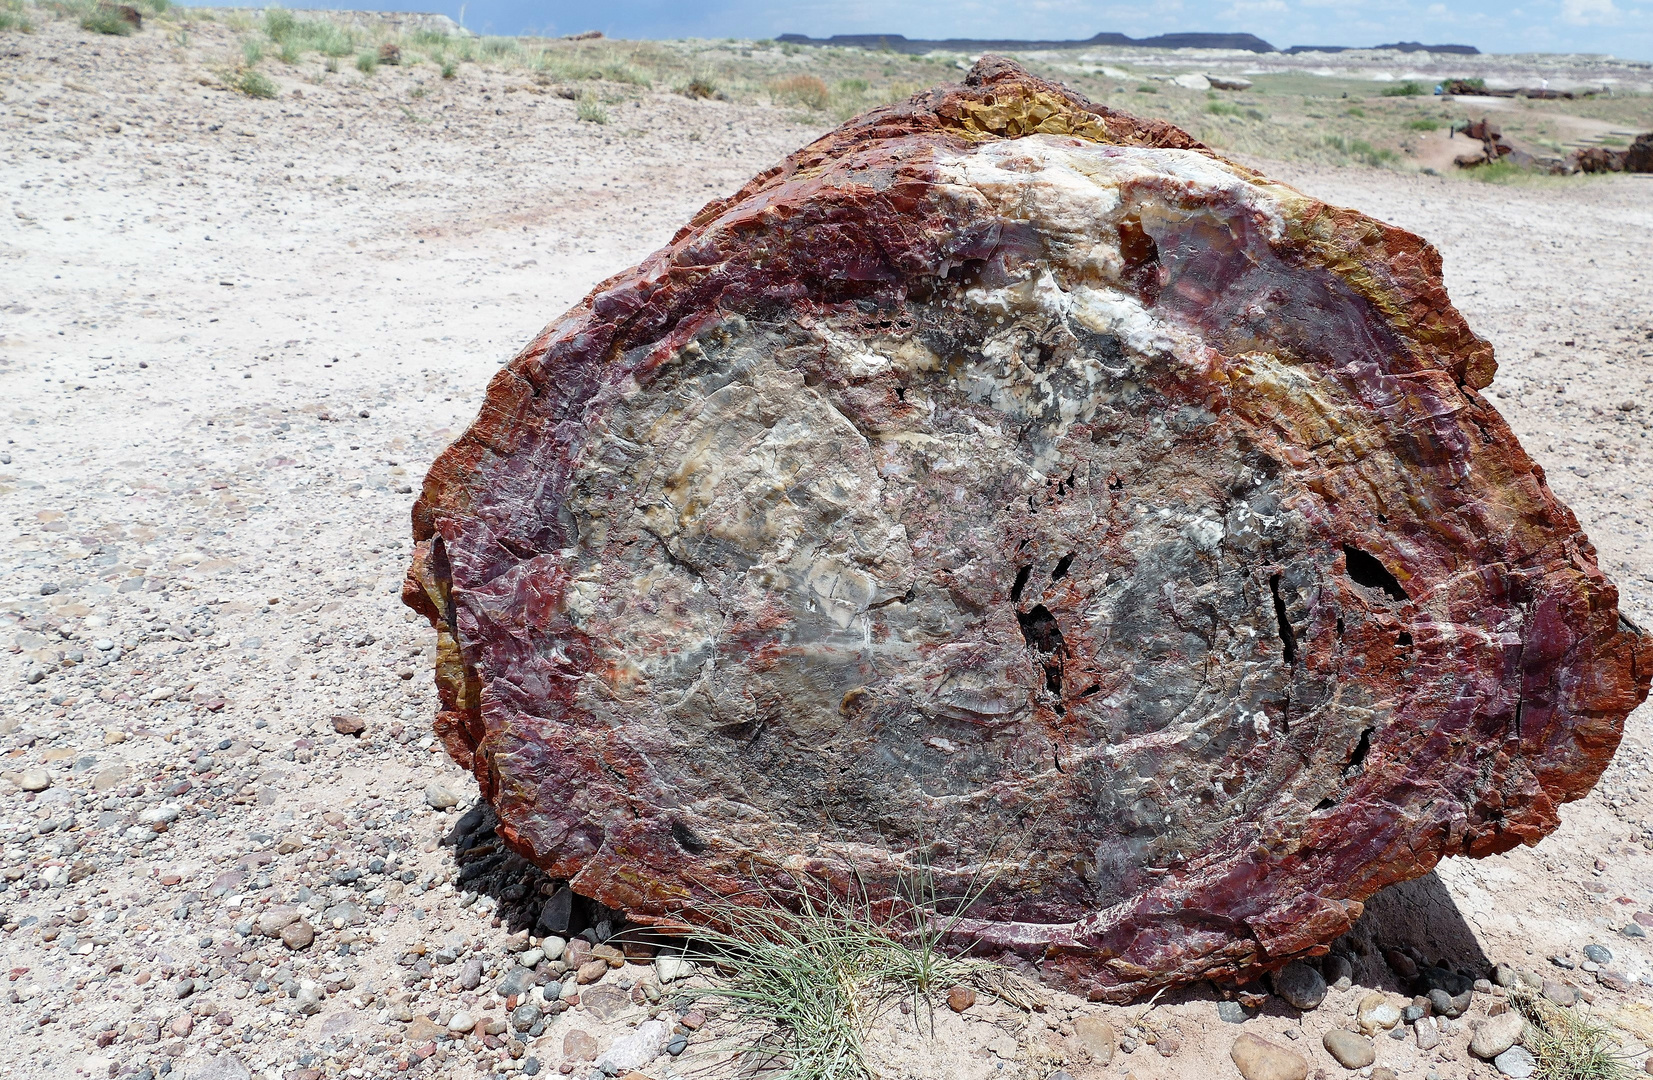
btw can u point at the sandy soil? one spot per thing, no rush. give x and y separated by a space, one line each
233 334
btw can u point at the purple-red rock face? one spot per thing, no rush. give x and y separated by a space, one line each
1009 488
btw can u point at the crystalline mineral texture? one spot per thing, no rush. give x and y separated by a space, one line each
1012 491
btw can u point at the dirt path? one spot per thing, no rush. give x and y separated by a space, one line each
233 334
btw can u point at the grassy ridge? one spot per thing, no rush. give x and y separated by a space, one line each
1291 116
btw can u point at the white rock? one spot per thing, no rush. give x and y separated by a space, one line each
553 947
635 1050
165 814
531 958
1192 81
438 797
671 968
461 1022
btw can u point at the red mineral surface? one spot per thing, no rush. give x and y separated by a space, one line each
1009 490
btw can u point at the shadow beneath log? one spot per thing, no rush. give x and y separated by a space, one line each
1411 938
1419 921
525 898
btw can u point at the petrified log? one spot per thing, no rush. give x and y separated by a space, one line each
1009 490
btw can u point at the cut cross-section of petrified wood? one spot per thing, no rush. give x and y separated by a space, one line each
1007 489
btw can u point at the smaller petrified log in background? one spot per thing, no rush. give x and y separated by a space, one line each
1011 491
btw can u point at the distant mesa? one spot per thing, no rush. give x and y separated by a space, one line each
900 44
1247 42
1398 46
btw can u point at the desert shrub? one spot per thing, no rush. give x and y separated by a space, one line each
815 970
590 109
1423 124
852 86
700 86
104 19
12 17
252 51
367 61
1405 89
1362 151
1569 1045
806 90
449 69
249 82
1222 108
1147 88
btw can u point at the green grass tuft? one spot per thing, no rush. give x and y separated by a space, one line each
1405 89
252 51
590 109
813 971
449 69
700 86
1362 151
367 62
13 17
1423 124
249 82
104 20
1568 1044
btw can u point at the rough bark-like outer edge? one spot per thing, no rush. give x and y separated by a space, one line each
635 320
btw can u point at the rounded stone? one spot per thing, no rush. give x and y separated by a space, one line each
1599 953
1515 1063
960 998
1376 1012
298 934
1300 986
35 780
438 797
1348 1049
1496 1035
1259 1059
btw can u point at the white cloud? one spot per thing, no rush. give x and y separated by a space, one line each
1589 12
1242 8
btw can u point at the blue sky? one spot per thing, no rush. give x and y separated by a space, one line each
1623 28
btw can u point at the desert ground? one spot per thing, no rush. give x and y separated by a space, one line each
207 470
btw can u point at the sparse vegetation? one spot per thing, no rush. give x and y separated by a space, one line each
12 17
450 68
701 86
1147 88
104 19
1423 123
810 91
590 109
1569 1044
245 80
816 972
1405 89
1362 151
252 52
367 62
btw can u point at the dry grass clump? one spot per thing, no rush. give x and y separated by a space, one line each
13 17
815 970
295 36
590 109
1568 1044
810 91
248 81
700 86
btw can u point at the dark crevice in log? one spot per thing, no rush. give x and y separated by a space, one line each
1365 570
1288 637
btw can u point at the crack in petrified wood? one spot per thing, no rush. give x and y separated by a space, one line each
1010 491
